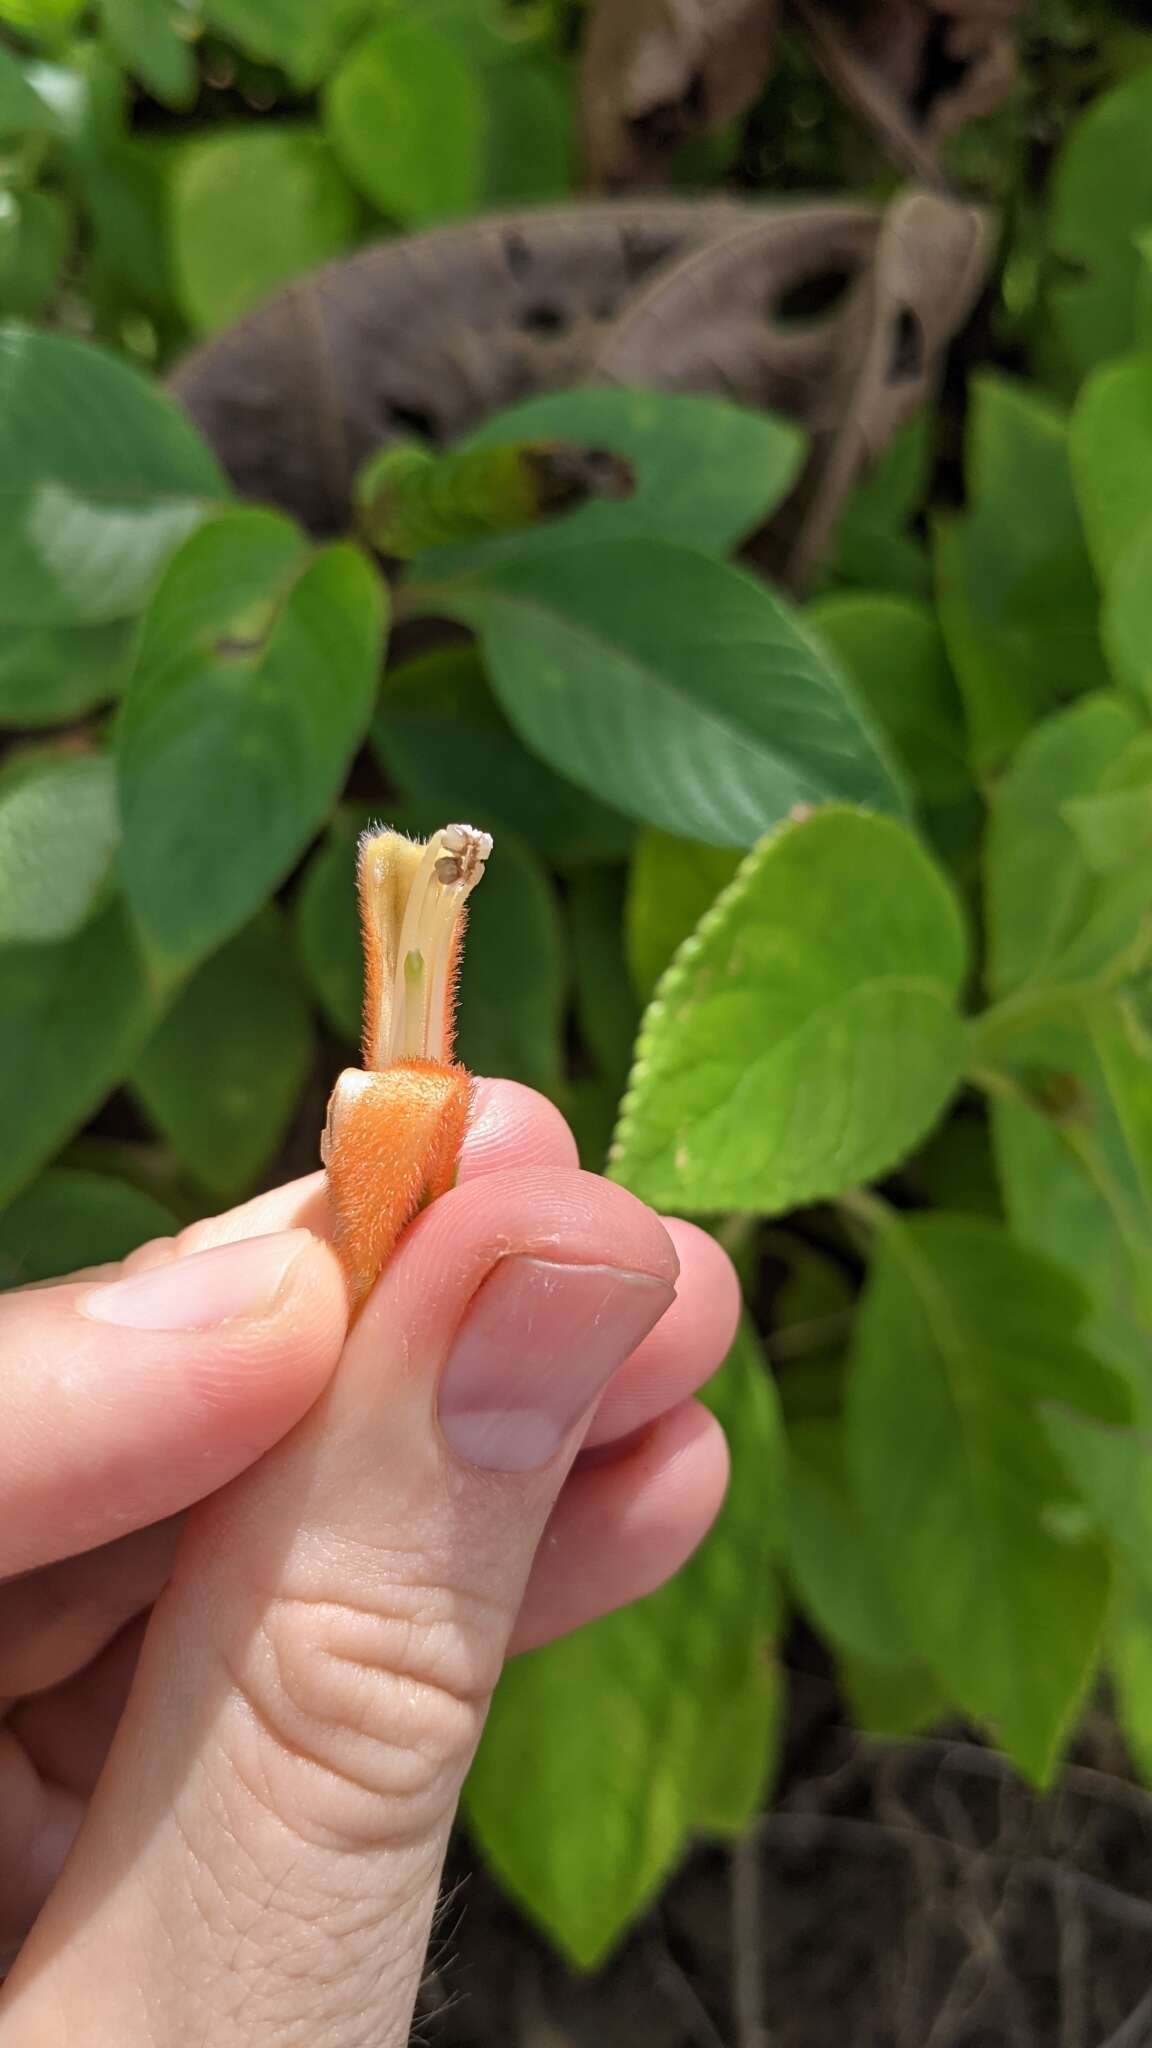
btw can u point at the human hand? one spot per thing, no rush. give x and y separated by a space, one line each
264 1790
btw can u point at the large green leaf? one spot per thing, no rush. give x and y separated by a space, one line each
222 1073
1111 1468
807 1037
255 678
617 1739
146 38
100 476
832 1557
50 675
251 208
72 1017
59 831
962 1338
514 976
892 651
1110 441
406 117
69 1219
1050 917
1018 604
680 689
1101 197
671 885
707 471
443 741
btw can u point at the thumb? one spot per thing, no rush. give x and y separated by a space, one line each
278 1802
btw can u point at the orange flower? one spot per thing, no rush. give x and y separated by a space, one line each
395 1127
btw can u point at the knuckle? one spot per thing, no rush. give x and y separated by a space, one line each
362 1721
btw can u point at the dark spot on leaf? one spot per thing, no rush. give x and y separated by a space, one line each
906 360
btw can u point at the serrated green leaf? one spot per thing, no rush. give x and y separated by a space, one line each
633 1711
891 650
707 472
1017 600
1110 443
145 37
255 677
445 744
962 1338
1100 199
807 1037
680 689
833 1563
1049 917
50 675
59 830
69 1219
221 1075
251 208
401 85
671 885
100 477
72 1017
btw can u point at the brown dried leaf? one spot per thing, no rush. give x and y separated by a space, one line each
656 73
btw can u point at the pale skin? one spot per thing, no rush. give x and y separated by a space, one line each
267 1600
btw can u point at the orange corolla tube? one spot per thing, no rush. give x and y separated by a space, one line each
395 1126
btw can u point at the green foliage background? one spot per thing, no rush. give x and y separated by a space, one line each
838 917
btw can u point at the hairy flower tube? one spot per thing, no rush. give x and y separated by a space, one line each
395 1126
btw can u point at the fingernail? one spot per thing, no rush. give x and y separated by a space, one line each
222 1285
538 1343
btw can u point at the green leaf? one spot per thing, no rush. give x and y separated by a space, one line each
832 1558
671 885
1100 198
1074 1147
962 1338
530 155
1110 1467
1127 614
514 977
1015 590
35 228
891 650
445 744
1110 443
49 675
45 20
23 111
1049 917
807 1036
606 1005
255 678
1130 1669
403 85
679 689
100 477
300 36
636 1713
707 472
886 1700
251 208
222 1074
72 1017
67 1220
144 35
873 544
59 831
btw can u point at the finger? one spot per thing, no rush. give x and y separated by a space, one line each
123 1402
619 1530
316 1675
510 1126
40 1823
68 1731
54 1621
685 1348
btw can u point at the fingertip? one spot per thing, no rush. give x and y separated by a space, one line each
713 1278
512 1125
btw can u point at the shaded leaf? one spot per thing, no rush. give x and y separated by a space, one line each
59 830
251 208
72 1017
671 884
1100 197
35 228
891 650
69 1219
50 675
221 1075
606 1006
1110 442
402 85
807 1036
832 1558
659 1686
254 681
679 689
145 37
963 1337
